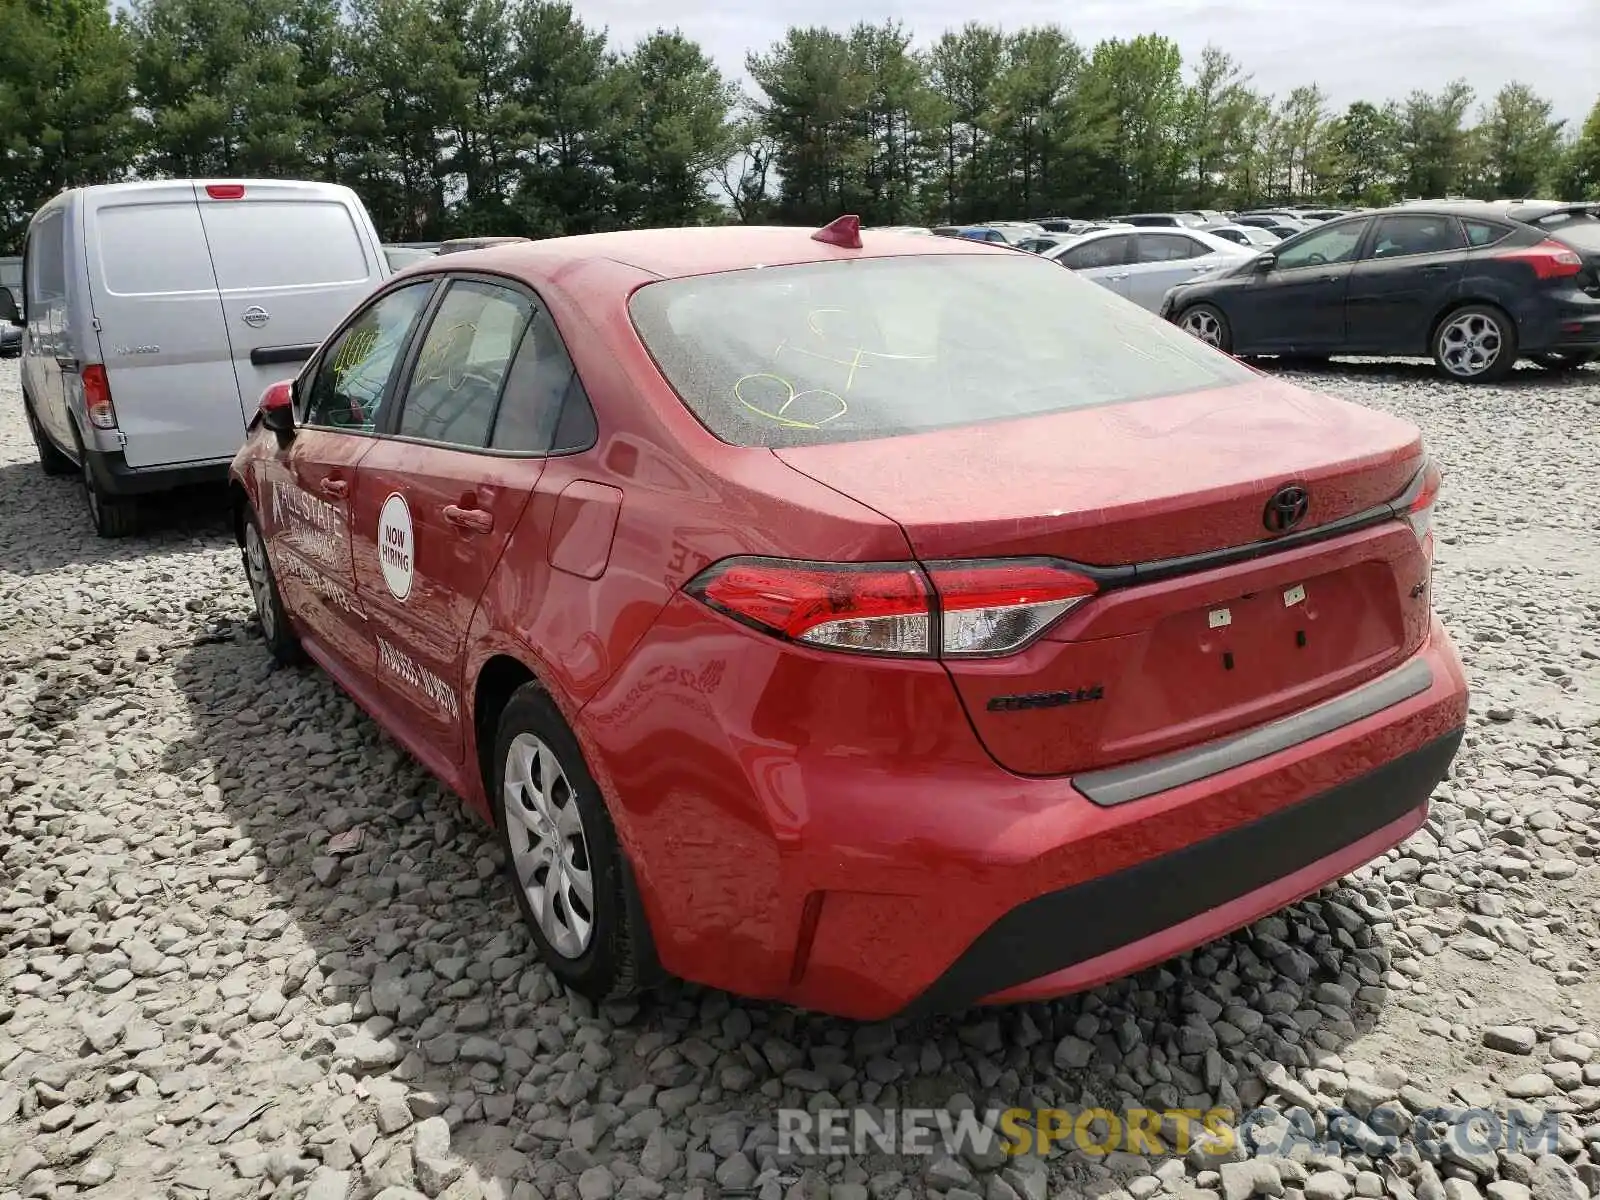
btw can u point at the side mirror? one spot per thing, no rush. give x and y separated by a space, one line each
1266 262
277 409
9 312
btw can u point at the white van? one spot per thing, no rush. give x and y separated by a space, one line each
156 313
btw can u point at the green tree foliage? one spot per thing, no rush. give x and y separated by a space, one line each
515 116
65 111
1580 174
1519 143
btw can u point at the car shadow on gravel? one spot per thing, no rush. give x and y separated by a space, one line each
44 522
408 969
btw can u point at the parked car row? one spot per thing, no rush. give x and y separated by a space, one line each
1474 285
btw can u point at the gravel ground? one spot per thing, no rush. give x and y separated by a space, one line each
198 999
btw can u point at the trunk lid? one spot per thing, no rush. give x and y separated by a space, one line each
1201 649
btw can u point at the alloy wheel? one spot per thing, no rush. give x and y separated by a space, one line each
1203 325
1470 344
549 848
255 566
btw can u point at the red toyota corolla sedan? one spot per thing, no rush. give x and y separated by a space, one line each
876 623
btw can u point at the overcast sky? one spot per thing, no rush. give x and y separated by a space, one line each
1356 49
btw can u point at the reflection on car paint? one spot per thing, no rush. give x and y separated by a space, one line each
418 678
324 587
316 529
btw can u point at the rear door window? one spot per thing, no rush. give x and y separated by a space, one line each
1484 233
463 363
153 249
1400 237
1101 252
284 243
1168 247
541 387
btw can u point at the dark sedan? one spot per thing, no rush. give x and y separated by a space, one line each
1473 284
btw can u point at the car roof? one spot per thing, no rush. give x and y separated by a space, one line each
678 253
1527 211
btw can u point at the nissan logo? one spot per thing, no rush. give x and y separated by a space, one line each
1286 509
255 316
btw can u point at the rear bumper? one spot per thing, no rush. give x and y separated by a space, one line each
1568 320
1163 906
831 834
116 478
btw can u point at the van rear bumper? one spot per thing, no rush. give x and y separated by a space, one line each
116 478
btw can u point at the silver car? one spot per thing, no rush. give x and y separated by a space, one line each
1142 264
156 312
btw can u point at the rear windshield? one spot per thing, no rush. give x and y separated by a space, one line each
1581 229
868 348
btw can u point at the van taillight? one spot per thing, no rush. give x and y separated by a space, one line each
225 191
97 397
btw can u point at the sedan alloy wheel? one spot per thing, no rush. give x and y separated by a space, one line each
549 847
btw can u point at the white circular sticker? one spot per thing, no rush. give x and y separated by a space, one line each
396 547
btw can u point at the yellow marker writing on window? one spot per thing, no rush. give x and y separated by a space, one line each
811 409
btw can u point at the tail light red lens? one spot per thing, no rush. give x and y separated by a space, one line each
97 397
1549 259
955 609
880 608
225 191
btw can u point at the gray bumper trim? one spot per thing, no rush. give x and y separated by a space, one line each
1135 781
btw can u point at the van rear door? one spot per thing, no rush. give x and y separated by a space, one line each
291 260
161 332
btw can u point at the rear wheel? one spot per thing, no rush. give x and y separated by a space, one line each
1207 322
51 460
562 856
280 639
1565 360
1476 344
113 516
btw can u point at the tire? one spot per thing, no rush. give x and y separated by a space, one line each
1565 360
1476 343
557 836
113 516
275 628
51 460
1208 323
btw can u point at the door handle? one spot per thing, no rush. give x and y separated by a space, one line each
338 489
1330 279
1436 269
473 520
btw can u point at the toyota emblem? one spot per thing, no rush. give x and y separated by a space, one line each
1286 509
255 316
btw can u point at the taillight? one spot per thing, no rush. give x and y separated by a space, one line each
880 608
1549 259
1415 507
97 397
997 607
955 609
